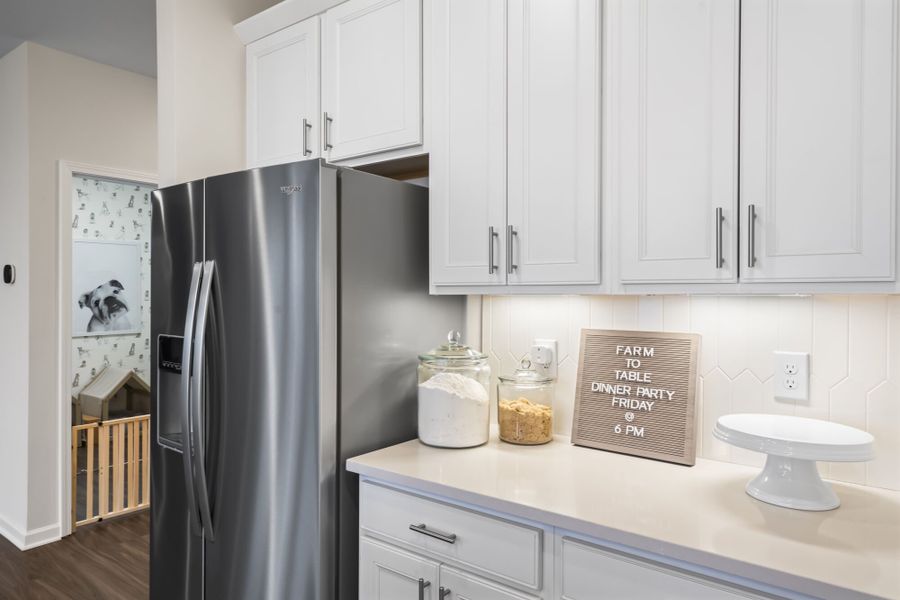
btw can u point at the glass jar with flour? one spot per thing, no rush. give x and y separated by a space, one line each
454 410
525 406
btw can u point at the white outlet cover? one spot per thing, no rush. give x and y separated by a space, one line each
791 378
545 350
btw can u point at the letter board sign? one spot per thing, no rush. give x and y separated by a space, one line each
635 393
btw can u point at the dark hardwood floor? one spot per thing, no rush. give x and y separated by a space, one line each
109 559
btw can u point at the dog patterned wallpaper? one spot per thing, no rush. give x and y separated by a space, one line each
113 210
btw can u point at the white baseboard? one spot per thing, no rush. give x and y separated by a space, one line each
12 533
29 539
42 535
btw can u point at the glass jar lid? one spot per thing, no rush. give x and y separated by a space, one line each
454 352
526 375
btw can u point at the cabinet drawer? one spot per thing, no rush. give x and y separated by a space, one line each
502 550
591 573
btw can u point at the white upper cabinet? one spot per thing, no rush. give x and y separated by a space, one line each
467 167
818 139
553 142
673 127
371 77
283 119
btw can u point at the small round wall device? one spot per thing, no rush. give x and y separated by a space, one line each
9 274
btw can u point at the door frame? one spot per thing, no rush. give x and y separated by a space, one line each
66 171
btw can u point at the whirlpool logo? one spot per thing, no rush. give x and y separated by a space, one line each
290 189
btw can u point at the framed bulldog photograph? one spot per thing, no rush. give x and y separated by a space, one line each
106 288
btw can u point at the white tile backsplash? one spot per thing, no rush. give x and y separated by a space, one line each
854 345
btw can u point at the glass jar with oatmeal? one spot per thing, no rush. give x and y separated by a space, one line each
525 406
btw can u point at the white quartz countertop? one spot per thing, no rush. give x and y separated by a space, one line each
696 514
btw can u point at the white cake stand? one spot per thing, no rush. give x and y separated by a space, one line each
793 445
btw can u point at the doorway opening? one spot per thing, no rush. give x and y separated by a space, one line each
105 224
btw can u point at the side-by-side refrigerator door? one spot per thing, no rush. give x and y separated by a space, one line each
176 548
261 415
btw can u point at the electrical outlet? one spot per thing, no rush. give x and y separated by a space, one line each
791 379
544 357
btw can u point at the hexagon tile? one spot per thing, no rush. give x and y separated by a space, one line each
854 345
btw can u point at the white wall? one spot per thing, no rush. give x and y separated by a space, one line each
201 87
854 345
80 111
13 299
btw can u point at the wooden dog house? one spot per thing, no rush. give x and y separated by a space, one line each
96 396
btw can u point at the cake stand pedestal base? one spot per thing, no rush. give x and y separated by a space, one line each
792 483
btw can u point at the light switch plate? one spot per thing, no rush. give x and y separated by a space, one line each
544 357
791 380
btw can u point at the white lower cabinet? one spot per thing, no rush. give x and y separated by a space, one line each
416 547
588 572
387 573
497 549
459 585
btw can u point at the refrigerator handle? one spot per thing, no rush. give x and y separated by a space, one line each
201 488
186 355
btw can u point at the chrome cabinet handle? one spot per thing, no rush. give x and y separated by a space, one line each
306 127
511 265
186 424
422 585
326 131
491 264
450 538
720 259
751 235
443 592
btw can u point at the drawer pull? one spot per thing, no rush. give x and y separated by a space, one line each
422 585
443 592
450 538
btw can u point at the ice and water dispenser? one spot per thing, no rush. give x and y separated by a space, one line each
168 391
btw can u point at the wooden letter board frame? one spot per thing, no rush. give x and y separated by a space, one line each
667 427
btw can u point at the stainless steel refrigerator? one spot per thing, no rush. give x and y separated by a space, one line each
288 306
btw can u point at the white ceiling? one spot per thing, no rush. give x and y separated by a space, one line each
121 33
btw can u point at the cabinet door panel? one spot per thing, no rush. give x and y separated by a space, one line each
458 585
554 69
372 76
468 146
587 572
387 573
282 91
675 120
818 139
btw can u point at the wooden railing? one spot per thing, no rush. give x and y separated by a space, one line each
118 453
